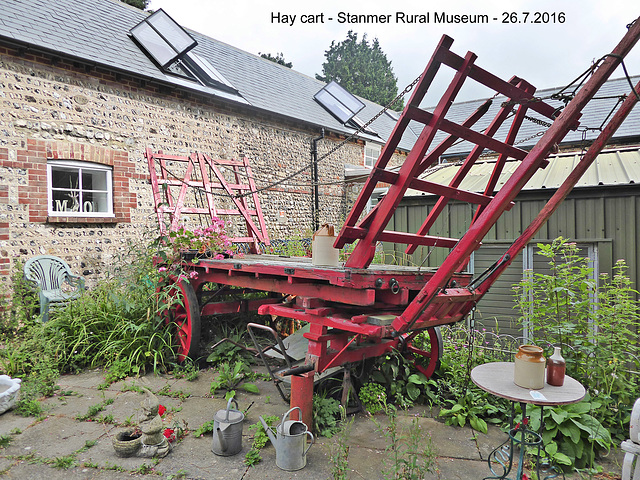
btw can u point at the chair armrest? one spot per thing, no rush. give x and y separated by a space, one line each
75 280
630 447
33 283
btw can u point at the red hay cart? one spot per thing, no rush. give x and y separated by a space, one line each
357 310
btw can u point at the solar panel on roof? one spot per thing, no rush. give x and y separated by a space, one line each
207 72
338 101
162 38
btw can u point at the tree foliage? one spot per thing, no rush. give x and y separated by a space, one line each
279 59
362 68
141 4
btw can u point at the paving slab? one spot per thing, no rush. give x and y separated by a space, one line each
76 401
198 461
447 468
55 437
85 379
197 388
450 441
460 453
11 422
37 471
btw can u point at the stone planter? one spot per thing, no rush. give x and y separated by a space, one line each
9 389
127 443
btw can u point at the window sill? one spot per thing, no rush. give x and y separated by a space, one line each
61 219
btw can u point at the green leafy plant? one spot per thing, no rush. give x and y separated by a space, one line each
93 410
229 351
65 462
188 370
144 469
29 408
229 377
5 440
410 454
180 474
373 397
339 448
568 432
326 415
405 386
260 439
595 323
206 427
471 408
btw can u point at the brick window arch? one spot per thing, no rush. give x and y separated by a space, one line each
38 156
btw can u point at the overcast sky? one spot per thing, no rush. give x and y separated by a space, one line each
548 54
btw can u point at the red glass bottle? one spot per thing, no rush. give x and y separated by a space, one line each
556 368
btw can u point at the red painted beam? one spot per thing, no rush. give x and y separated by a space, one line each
506 88
364 250
362 297
402 237
432 157
437 189
237 306
469 162
396 135
558 197
516 182
472 136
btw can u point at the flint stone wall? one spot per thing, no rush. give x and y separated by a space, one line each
59 110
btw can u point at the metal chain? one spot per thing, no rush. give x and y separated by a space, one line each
406 90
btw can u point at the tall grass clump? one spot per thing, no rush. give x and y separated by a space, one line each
119 324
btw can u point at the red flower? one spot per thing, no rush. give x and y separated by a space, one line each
168 432
161 410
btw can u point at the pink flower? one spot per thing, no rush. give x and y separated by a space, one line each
162 269
193 274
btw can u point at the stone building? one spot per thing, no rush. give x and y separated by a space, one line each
85 88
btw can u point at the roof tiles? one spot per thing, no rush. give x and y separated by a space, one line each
97 31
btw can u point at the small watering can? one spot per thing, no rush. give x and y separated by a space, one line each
227 431
290 441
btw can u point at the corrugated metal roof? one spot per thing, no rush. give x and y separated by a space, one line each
611 168
593 116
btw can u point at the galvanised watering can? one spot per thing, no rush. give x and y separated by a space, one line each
290 442
227 431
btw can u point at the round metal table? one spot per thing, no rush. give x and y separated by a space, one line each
497 379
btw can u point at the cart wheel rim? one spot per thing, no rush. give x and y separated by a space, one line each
433 354
186 318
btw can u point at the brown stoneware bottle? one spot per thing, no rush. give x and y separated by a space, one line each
556 368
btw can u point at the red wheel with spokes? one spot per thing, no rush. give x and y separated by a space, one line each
185 314
418 355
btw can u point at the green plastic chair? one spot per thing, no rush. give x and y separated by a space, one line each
48 275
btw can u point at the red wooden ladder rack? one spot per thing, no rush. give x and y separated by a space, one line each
200 173
437 303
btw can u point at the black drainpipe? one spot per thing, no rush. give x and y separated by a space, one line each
315 206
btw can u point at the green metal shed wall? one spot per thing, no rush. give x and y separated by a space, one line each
605 217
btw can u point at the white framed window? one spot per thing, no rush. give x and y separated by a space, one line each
371 154
79 189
